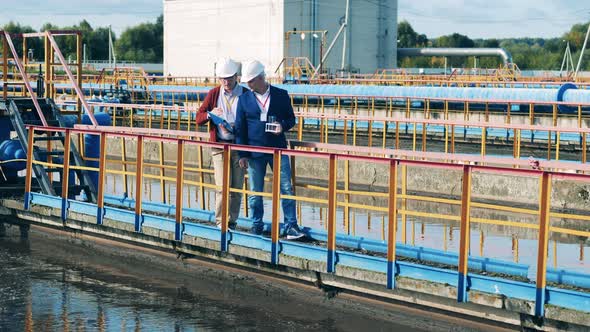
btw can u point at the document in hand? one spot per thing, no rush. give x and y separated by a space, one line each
217 120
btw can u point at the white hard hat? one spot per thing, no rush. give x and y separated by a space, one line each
251 69
226 67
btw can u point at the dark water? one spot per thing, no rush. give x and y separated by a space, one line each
60 288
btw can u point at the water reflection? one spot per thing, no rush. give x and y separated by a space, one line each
42 294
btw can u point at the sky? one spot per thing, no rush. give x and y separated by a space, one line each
473 18
494 18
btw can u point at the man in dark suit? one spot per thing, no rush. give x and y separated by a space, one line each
263 116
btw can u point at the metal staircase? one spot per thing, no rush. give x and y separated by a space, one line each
21 111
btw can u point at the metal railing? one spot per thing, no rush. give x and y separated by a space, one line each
395 195
405 128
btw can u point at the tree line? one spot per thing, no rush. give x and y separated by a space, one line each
141 43
145 43
527 53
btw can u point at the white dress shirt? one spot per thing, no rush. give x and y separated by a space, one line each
263 101
228 102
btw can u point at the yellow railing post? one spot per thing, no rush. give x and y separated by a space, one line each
515 248
29 175
332 201
483 141
179 190
162 172
544 216
346 196
584 148
557 139
65 176
452 139
101 179
397 135
465 233
276 199
392 220
138 184
124 166
225 191
201 176
404 202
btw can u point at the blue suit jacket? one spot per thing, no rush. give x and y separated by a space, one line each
251 131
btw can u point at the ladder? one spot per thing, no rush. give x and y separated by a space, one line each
21 114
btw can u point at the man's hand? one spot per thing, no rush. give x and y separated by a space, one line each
217 111
243 163
279 128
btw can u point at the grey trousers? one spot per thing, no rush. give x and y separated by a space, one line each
236 181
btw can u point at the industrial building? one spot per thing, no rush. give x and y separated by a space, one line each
197 32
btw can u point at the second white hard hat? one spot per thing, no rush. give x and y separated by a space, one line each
251 69
226 67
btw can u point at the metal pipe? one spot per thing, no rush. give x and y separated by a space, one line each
329 49
582 52
446 52
345 35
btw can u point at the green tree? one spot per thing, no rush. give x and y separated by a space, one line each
408 37
142 43
34 44
454 40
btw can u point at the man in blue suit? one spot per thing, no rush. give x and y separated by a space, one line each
265 105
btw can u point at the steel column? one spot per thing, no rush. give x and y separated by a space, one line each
465 233
138 184
392 228
179 190
65 178
225 196
29 174
102 162
332 201
276 199
544 216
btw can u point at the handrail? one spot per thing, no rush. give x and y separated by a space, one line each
390 125
545 181
79 92
22 72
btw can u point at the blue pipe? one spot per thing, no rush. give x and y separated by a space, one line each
567 93
560 276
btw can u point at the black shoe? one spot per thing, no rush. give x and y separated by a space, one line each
292 232
256 230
